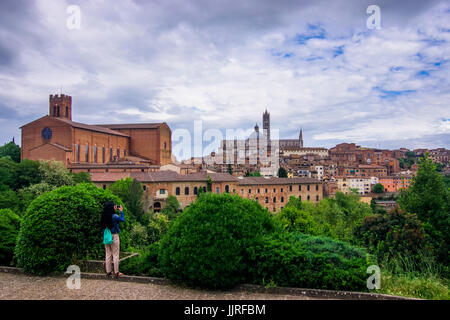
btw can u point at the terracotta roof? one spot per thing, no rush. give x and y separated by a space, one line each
132 125
91 127
108 176
275 181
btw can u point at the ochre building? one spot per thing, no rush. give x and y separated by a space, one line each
56 137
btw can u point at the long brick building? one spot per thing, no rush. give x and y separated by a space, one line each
56 137
271 193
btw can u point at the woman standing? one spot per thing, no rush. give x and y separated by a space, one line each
111 220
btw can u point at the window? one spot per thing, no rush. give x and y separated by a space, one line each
124 153
103 154
87 153
256 198
144 187
195 190
282 199
177 191
281 190
104 187
308 197
118 153
259 190
266 190
95 154
290 188
274 199
274 190
58 110
227 188
217 190
162 191
299 187
67 112
54 110
300 198
317 198
249 190
186 190
267 199
110 154
308 187
77 151
165 146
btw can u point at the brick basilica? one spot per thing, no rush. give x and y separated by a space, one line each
56 137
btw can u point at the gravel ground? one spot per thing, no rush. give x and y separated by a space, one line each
23 287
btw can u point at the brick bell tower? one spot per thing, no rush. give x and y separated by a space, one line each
60 106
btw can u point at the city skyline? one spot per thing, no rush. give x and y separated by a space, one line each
313 65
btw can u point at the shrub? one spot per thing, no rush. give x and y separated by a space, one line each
294 259
130 191
392 234
157 227
146 264
9 229
206 245
138 235
64 225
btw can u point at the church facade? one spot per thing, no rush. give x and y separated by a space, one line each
56 137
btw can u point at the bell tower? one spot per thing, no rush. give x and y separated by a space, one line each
266 124
60 106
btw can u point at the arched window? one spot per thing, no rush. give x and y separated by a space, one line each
282 199
274 199
186 190
87 153
308 197
95 154
165 145
67 112
195 190
177 191
77 151
267 199
227 188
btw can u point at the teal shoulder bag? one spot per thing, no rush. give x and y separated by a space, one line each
107 236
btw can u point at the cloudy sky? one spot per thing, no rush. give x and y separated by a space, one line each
313 64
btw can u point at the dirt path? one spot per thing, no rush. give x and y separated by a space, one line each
22 287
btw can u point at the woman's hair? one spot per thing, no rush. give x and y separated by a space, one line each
108 211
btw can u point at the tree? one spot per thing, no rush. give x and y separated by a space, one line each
428 197
255 173
171 208
9 229
10 150
8 172
55 173
378 188
394 234
81 177
282 173
130 191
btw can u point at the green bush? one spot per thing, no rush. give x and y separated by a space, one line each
62 226
392 234
298 260
146 264
9 229
138 235
206 245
